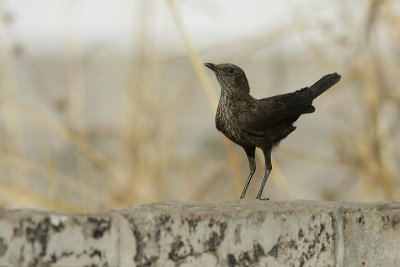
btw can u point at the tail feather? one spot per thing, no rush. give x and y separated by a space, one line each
323 84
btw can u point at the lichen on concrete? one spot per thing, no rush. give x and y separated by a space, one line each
239 233
235 234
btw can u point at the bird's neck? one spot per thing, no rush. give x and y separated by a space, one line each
232 93
229 99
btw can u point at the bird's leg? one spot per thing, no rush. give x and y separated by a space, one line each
268 168
265 178
250 152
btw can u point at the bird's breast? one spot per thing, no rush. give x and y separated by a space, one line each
225 123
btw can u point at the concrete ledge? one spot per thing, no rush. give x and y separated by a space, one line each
240 233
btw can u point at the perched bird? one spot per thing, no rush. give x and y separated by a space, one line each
261 123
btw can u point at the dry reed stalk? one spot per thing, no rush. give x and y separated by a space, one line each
206 86
75 81
146 139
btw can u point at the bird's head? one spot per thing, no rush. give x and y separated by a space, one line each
230 76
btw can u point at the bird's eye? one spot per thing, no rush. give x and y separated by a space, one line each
231 70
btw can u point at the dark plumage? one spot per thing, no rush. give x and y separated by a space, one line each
261 123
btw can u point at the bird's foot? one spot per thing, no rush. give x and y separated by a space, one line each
263 198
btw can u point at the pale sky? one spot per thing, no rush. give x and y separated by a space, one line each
48 24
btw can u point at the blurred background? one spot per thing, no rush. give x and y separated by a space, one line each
107 104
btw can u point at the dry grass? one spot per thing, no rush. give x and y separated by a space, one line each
51 156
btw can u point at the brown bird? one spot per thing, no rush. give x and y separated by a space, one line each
261 123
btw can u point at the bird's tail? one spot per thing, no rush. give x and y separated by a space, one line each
323 84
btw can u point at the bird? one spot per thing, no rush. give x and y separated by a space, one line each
260 123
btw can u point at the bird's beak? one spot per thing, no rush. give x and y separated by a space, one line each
211 66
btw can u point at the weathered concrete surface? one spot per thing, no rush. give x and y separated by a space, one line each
240 233
371 234
34 238
232 234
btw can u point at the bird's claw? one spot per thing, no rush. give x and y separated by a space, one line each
263 198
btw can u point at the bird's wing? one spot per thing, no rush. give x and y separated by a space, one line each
266 113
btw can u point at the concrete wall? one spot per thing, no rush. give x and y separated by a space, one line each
239 233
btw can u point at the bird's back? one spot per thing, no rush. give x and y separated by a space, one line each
271 119
286 106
